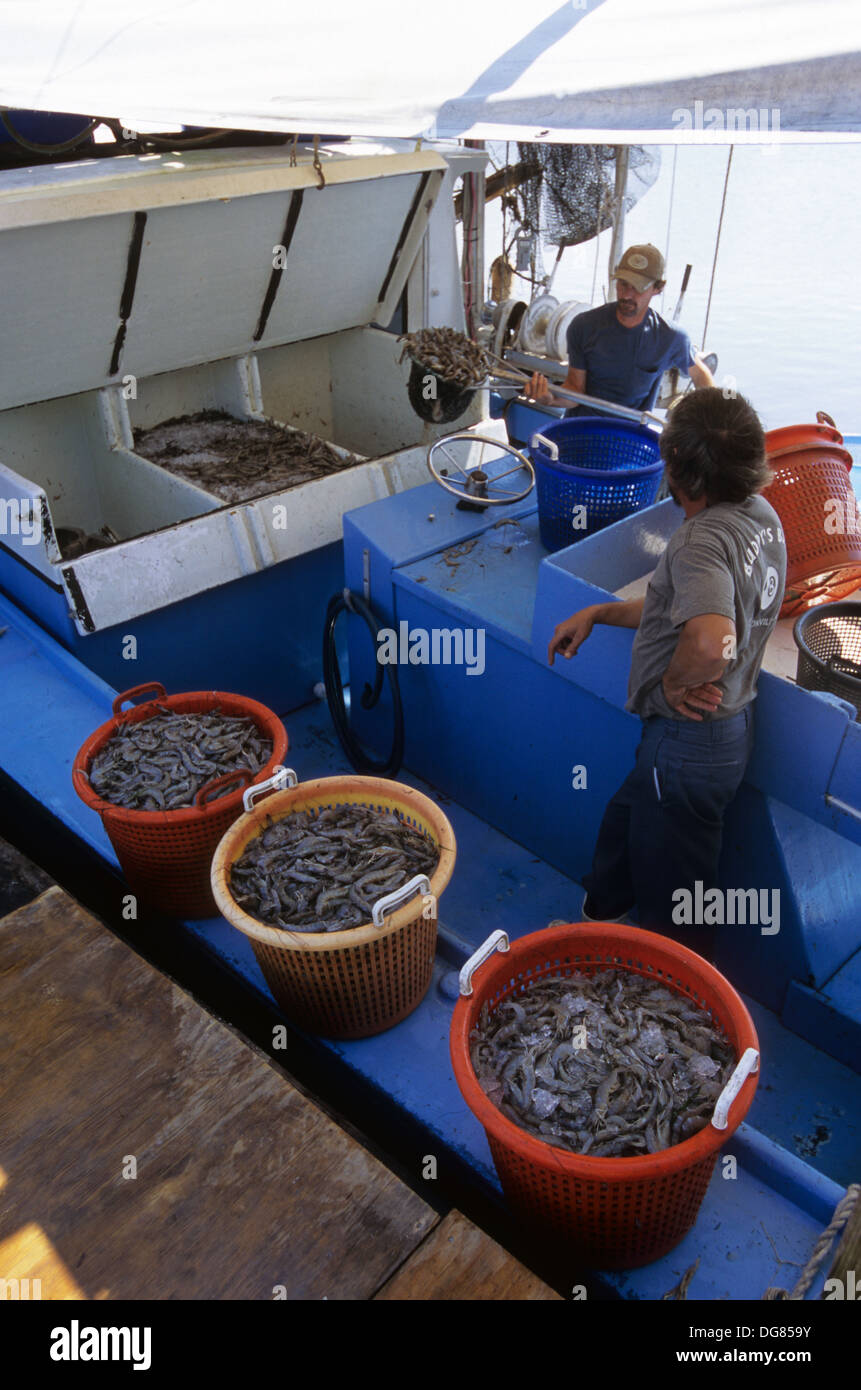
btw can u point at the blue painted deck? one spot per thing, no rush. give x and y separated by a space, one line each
776 1193
504 742
191 644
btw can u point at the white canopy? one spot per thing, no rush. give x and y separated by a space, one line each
612 70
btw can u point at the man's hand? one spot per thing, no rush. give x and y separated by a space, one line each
571 634
688 699
705 648
700 374
538 388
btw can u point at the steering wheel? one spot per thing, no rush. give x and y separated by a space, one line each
475 485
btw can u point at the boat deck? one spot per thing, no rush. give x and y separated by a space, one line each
149 1152
795 1154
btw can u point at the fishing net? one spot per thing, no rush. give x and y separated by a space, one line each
570 198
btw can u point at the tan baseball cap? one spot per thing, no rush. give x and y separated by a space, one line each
641 266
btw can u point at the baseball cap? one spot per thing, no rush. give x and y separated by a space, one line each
640 266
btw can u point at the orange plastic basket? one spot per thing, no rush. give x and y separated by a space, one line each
611 1213
812 494
166 856
346 984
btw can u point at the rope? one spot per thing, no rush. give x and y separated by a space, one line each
347 602
318 168
505 200
680 1290
62 148
842 1213
717 246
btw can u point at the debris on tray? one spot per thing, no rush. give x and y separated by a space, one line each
73 541
236 460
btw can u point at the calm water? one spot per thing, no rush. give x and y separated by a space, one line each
785 318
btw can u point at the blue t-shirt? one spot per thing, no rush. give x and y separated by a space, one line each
625 365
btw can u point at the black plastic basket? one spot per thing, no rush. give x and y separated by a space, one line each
829 650
447 402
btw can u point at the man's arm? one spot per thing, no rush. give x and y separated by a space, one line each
541 391
705 648
571 634
700 374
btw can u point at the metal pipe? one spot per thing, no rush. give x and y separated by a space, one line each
623 153
643 417
549 368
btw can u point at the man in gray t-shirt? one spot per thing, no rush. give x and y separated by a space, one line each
728 560
701 632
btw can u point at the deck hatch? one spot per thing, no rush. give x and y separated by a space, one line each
188 241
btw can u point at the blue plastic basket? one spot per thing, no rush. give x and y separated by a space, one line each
609 467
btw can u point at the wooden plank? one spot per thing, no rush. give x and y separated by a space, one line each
31 1266
458 1261
243 1185
502 182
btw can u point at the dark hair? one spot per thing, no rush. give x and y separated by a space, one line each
714 447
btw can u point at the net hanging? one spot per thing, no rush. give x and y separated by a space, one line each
571 198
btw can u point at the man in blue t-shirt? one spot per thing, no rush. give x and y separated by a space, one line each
620 351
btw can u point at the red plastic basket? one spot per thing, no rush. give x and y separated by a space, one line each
611 1213
813 496
166 856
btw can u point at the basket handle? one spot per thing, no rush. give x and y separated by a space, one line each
838 666
497 941
552 449
281 779
149 686
419 884
823 418
748 1063
242 775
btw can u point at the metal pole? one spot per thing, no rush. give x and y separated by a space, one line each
617 241
474 187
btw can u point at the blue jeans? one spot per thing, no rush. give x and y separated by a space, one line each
662 830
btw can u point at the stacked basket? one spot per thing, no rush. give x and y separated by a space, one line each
812 494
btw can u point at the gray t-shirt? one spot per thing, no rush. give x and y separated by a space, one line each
728 559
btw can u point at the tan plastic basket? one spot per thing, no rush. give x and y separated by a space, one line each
346 984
